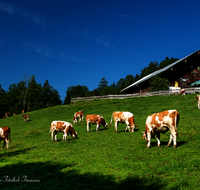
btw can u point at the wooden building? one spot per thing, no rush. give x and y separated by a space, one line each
184 71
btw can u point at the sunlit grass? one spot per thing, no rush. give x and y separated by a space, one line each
104 159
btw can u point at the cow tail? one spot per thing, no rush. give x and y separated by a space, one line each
177 121
111 120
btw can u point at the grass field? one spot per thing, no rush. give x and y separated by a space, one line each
104 159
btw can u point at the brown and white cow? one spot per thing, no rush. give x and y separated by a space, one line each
5 135
25 117
182 92
78 115
95 119
198 101
161 123
62 126
7 114
123 117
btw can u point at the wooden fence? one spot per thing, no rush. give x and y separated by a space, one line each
123 96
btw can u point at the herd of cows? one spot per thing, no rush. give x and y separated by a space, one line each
155 124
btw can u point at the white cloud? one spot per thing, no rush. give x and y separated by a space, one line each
43 50
102 39
127 16
72 58
14 10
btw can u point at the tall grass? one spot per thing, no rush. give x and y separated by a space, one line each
104 159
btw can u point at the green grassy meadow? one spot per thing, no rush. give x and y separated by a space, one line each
104 159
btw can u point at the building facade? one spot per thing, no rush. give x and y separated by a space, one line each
184 71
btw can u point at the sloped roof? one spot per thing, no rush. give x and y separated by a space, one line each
157 72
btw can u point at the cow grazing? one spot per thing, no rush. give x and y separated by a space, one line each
182 92
78 115
161 123
123 117
198 101
25 117
62 126
14 114
7 114
22 111
95 119
5 135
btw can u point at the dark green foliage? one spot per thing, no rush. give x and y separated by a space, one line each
13 99
120 84
28 95
157 83
55 98
46 90
51 96
102 84
152 67
129 79
34 95
3 101
75 91
167 62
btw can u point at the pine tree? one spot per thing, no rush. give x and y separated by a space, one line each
3 104
102 84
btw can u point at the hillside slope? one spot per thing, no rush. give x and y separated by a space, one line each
104 159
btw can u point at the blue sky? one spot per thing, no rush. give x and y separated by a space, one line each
78 42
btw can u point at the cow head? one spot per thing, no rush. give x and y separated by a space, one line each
75 135
74 120
197 97
132 128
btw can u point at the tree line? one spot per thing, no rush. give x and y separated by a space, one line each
156 82
29 96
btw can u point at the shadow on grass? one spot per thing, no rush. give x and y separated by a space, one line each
57 176
68 139
27 121
165 143
99 130
14 153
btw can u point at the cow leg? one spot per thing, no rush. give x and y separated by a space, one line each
174 139
148 139
52 132
7 142
116 123
173 136
97 127
170 140
56 136
132 128
88 124
4 143
64 136
158 139
127 127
